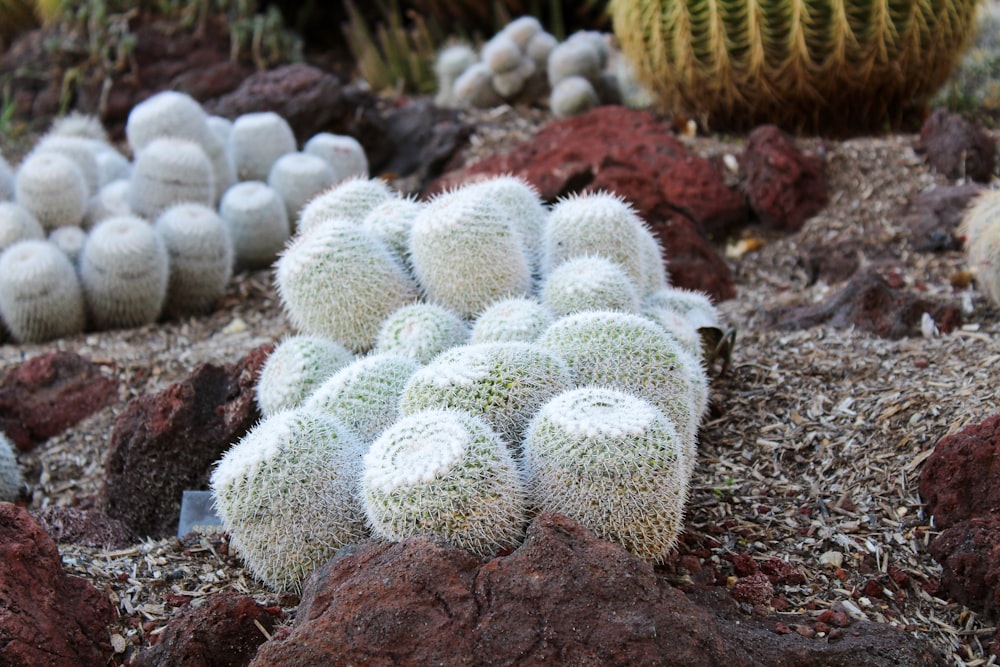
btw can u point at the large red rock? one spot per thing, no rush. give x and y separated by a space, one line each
957 147
784 186
86 527
563 598
165 443
46 616
51 392
683 197
969 554
221 632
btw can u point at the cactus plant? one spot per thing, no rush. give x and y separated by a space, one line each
286 494
502 382
169 171
298 177
339 281
80 150
11 480
69 240
814 66
466 253
654 266
17 224
40 295
521 319
111 166
474 87
220 127
522 30
77 124
525 206
980 227
450 63
572 96
295 369
256 141
589 283
364 395
573 58
612 461
391 222
351 199
257 221
421 331
52 188
124 270
677 326
345 154
695 306
200 254
110 201
445 472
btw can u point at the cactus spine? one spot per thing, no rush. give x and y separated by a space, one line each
40 295
295 369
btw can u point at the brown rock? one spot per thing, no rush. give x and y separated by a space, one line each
49 393
834 260
564 597
165 443
933 216
86 527
969 554
46 616
781 572
868 303
956 147
961 478
754 589
784 186
221 632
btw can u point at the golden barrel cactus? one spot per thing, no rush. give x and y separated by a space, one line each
827 66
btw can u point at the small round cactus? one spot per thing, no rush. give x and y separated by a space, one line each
17 224
612 461
221 127
52 188
339 281
124 271
522 319
77 124
295 369
109 202
80 150
345 154
40 296
696 306
654 267
522 30
364 395
421 331
391 221
677 326
256 141
111 166
287 495
502 382
69 240
170 171
539 48
351 199
298 177
166 114
509 84
474 87
525 206
501 54
11 480
573 58
450 63
573 96
980 228
445 472
467 254
201 257
589 283
257 221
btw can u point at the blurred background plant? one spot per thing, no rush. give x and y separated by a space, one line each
975 86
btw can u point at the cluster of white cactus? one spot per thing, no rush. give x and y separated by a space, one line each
980 228
525 64
513 358
158 235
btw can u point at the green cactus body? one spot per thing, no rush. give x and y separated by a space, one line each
612 461
391 222
693 305
597 225
351 199
200 254
256 141
124 271
466 253
421 331
527 211
573 58
449 65
339 281
286 494
364 395
170 171
296 368
6 180
69 240
572 96
40 295
109 202
345 155
257 221
52 188
80 150
502 382
474 87
11 480
298 177
589 283
446 473
17 224
980 227
521 319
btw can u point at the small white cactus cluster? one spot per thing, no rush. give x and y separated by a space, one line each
108 242
980 228
525 64
461 365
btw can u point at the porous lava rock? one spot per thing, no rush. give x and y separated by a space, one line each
47 617
957 147
683 197
869 303
933 216
165 443
784 186
86 527
50 392
222 631
563 597
969 554
961 478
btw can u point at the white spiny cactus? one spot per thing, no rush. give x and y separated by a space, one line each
391 221
257 221
40 296
77 124
421 331
572 96
70 240
351 199
169 171
521 319
296 368
696 306
17 224
298 177
109 202
52 188
450 63
474 87
345 154
589 283
82 151
256 141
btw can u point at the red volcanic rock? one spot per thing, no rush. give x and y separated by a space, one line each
784 186
961 477
754 589
86 527
564 597
956 147
969 554
165 443
222 632
49 393
46 616
781 572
